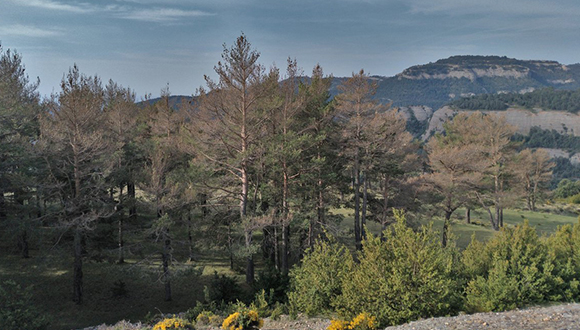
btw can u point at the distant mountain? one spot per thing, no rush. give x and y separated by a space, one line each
175 101
436 84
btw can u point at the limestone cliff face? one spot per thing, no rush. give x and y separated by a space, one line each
456 71
421 112
524 120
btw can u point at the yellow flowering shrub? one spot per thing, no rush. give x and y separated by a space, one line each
363 321
338 325
173 323
243 320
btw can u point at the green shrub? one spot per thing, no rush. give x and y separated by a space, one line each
16 311
274 283
244 319
173 323
208 318
511 270
564 252
223 289
318 281
405 277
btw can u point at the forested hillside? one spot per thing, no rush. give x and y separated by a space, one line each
264 187
544 99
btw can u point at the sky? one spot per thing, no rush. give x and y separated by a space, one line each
150 44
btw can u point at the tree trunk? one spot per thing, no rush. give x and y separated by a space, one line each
276 249
494 222
121 243
363 219
445 234
2 206
285 224
23 243
533 197
467 215
320 221
132 204
190 237
230 246
385 207
166 256
285 248
78 268
121 214
356 188
249 259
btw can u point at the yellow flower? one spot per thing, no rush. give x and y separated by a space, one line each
363 321
338 325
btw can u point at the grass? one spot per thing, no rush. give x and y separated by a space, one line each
544 221
49 271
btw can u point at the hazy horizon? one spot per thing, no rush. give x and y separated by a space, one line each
147 44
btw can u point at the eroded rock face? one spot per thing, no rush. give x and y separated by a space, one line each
421 112
456 71
561 121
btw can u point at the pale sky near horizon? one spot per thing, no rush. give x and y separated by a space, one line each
147 44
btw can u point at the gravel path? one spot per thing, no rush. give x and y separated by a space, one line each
560 317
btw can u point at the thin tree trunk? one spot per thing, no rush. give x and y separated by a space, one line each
190 237
166 262
320 221
276 249
285 225
467 215
78 268
363 221
356 188
385 207
121 259
131 195
230 246
286 248
445 234
2 206
24 244
249 259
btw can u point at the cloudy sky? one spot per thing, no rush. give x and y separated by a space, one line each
147 44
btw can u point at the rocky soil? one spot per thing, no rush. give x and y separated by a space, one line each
560 317
537 318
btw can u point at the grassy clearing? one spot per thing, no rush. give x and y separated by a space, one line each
49 271
545 221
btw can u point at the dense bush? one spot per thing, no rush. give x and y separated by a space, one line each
405 277
318 282
244 319
564 252
363 321
511 270
408 275
567 188
223 289
16 310
274 283
173 323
